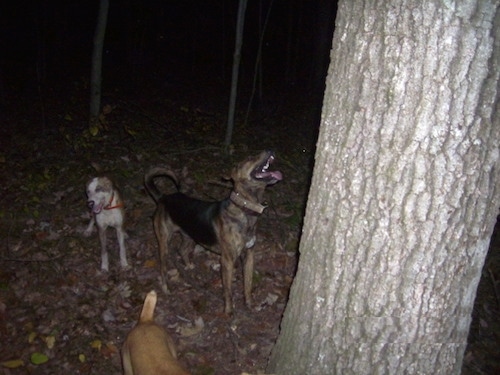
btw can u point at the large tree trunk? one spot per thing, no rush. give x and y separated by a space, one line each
404 195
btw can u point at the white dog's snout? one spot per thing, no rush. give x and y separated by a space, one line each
94 207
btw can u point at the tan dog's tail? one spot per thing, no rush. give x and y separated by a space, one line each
158 172
148 309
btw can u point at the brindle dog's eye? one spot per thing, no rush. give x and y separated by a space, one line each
98 189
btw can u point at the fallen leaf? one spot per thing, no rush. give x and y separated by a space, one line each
38 358
96 344
108 316
13 363
109 350
94 130
190 330
32 336
40 236
81 358
173 275
130 131
50 341
107 109
271 299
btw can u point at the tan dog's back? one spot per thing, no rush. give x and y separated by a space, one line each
148 349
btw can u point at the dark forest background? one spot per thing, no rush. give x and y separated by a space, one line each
167 46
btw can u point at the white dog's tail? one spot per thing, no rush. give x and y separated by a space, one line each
148 309
155 172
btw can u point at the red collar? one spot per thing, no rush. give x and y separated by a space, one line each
117 205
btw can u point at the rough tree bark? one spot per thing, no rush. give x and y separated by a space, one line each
404 195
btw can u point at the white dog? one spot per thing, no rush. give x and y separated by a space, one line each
105 203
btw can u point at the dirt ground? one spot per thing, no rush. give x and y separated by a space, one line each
60 314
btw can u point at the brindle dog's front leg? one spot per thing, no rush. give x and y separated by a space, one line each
248 277
227 268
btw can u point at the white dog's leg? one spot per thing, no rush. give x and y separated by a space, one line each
104 252
90 227
120 234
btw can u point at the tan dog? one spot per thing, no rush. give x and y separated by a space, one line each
148 349
106 205
225 227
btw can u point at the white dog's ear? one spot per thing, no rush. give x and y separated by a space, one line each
105 184
96 166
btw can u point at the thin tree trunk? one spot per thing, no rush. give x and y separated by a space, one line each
96 73
404 195
257 73
236 67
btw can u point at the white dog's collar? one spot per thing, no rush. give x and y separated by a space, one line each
117 205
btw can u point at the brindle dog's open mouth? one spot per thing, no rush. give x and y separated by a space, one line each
262 171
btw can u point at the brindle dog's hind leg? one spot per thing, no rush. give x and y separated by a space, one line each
185 248
163 236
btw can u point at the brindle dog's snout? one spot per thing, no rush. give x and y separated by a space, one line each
90 204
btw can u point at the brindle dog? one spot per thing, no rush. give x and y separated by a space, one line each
225 227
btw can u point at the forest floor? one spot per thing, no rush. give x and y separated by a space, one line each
60 314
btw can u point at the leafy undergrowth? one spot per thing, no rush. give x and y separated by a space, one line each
60 314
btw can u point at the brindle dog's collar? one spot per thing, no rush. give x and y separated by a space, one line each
238 200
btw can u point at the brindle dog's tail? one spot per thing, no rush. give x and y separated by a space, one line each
150 185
